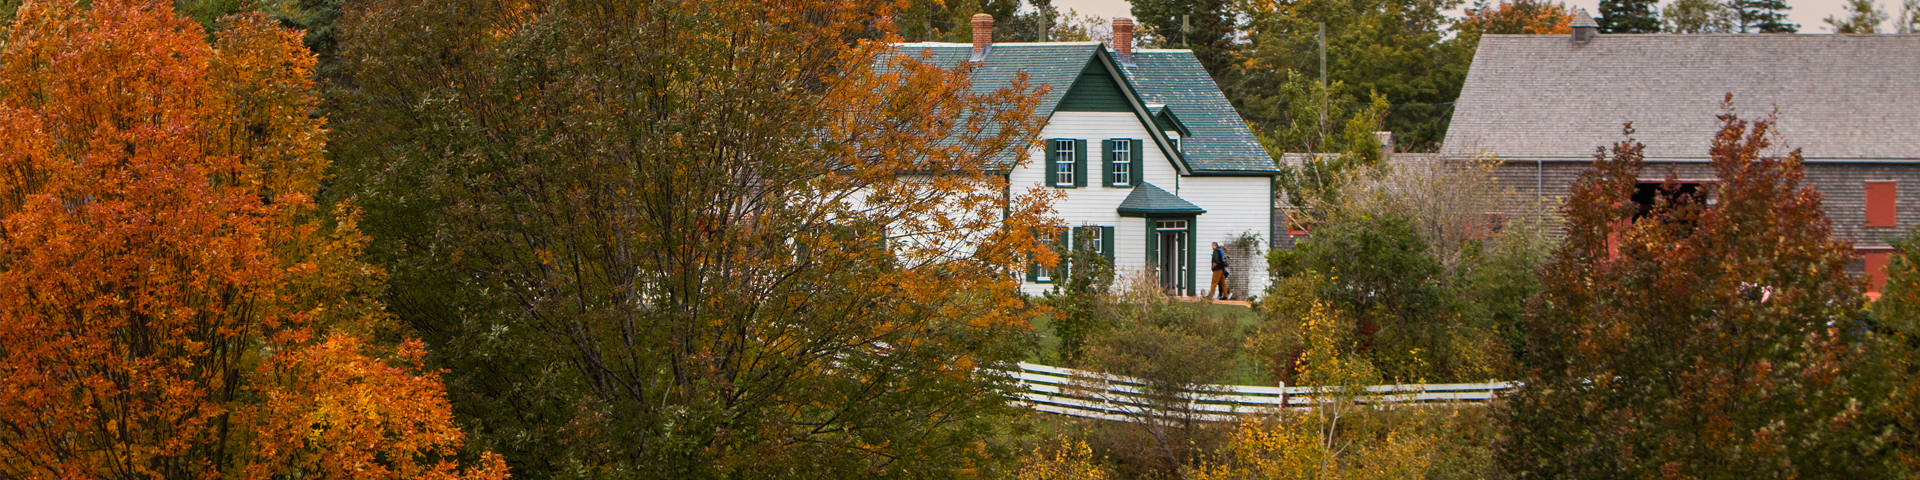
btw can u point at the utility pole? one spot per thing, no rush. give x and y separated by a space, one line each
1184 28
1323 84
1044 30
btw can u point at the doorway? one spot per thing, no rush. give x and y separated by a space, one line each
1172 239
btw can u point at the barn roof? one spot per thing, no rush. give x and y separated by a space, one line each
1840 97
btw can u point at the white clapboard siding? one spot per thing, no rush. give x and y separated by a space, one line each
1095 204
1234 204
1085 394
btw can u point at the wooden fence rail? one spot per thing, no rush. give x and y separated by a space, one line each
1081 393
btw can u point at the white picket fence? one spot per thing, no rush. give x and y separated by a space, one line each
1085 394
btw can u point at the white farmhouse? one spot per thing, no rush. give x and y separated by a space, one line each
1149 155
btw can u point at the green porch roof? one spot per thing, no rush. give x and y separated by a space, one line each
1147 199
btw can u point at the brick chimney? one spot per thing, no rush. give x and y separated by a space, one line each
982 35
1123 36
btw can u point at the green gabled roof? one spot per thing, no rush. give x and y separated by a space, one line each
1058 66
1164 117
1147 199
1220 142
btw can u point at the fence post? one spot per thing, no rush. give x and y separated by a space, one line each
1283 394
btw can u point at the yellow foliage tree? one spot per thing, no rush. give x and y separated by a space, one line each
1073 461
1326 441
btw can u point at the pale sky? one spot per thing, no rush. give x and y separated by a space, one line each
1807 13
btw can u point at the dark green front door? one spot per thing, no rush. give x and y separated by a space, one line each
1171 243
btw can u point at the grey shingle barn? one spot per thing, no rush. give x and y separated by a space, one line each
1851 103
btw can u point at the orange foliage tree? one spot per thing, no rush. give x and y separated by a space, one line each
1522 17
173 303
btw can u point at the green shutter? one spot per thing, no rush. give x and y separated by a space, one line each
1079 163
1106 244
1106 162
1047 159
1139 152
1033 267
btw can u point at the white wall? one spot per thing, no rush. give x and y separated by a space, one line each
1233 204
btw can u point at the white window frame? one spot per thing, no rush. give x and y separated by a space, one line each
1099 244
1063 174
1122 162
1046 274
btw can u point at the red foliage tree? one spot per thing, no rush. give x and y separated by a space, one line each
1700 340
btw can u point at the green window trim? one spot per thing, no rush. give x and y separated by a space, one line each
1106 244
1057 149
1079 163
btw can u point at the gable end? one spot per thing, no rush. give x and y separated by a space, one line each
1094 91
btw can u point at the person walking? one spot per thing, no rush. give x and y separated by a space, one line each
1218 288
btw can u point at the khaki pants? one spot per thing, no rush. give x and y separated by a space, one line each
1218 287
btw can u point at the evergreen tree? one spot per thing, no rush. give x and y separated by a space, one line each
1698 16
1909 15
1862 17
1628 16
1210 34
1762 16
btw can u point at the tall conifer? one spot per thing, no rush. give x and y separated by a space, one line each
1628 16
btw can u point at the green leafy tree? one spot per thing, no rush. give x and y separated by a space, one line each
1897 319
1398 49
951 20
1177 350
1761 16
1699 16
1629 16
692 239
1862 17
1701 339
1497 277
1320 179
1078 301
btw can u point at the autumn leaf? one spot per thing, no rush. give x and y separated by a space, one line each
170 296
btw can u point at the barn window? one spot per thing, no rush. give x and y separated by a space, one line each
1876 269
1881 204
1646 195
